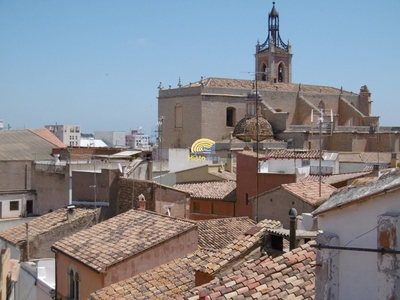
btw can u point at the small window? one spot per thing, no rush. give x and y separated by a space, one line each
73 283
214 208
230 116
14 205
196 207
305 163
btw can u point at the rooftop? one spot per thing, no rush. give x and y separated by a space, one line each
294 154
170 280
266 86
360 191
335 178
220 190
215 262
309 191
218 233
289 276
43 224
28 144
121 237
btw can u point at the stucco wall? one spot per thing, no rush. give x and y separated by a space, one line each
15 175
52 188
90 280
356 226
276 204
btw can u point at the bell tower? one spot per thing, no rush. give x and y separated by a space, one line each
274 57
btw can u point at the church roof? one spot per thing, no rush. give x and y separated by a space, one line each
266 86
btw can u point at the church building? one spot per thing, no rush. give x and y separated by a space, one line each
298 114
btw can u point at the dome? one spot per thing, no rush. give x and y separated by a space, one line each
246 129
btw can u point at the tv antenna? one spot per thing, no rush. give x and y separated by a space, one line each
324 119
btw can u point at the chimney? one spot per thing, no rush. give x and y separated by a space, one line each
229 163
142 202
70 212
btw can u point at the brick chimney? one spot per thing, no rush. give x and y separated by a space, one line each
142 202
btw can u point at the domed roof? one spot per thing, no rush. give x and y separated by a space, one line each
246 129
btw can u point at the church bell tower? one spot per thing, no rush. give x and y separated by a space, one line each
274 57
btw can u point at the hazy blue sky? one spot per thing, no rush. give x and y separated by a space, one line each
98 63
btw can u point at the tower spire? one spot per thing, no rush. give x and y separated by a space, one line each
274 57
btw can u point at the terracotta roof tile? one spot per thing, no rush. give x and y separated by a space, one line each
46 134
252 154
293 154
336 178
121 237
218 233
300 284
309 191
43 224
221 190
268 86
224 175
221 259
176 276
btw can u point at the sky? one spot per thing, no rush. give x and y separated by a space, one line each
98 64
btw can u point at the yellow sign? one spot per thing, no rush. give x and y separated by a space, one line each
202 150
203 146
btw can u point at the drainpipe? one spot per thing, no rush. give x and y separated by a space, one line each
293 216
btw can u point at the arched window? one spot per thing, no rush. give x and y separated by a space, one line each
264 70
230 116
281 72
73 282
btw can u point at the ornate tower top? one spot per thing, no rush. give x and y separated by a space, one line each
274 57
273 32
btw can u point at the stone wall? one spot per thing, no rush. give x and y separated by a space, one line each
158 197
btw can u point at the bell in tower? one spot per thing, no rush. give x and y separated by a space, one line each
274 57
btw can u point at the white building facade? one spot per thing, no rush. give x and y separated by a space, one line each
70 135
115 139
359 256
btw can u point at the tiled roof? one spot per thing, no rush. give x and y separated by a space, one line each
224 175
309 191
46 134
217 261
360 190
43 224
268 86
252 154
366 157
219 190
166 281
121 237
218 233
289 276
293 154
170 280
335 178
